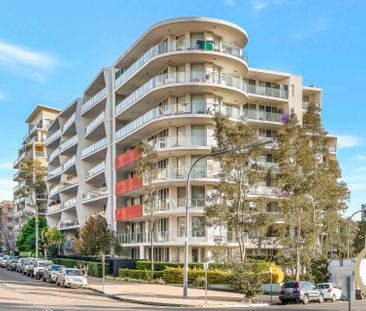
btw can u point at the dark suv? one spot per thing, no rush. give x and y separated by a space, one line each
302 291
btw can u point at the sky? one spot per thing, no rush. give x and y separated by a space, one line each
51 50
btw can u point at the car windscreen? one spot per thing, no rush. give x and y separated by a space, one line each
74 273
290 285
56 268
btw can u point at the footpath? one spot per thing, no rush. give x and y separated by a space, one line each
168 295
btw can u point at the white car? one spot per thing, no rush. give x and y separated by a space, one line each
330 291
39 266
68 277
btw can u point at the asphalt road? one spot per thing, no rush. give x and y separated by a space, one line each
18 292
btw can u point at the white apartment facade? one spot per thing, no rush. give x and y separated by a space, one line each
165 90
33 146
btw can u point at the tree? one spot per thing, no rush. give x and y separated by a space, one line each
360 239
52 237
32 175
230 206
96 237
26 240
147 170
313 196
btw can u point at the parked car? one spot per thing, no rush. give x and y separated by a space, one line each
301 291
20 265
38 268
330 291
27 266
11 264
51 272
68 277
4 260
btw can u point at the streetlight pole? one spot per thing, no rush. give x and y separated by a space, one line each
188 204
349 231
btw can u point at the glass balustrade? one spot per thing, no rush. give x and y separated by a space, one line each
182 77
95 170
70 162
178 46
95 99
93 124
182 172
262 116
95 194
69 122
262 90
99 144
69 203
53 137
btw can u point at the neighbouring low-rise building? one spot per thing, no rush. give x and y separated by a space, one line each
33 146
164 90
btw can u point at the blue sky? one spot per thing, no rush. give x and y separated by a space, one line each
50 51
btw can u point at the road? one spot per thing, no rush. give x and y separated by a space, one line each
18 292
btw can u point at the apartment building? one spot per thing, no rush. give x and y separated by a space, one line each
6 226
33 146
164 90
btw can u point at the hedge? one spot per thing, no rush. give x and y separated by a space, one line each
94 268
139 274
175 276
162 265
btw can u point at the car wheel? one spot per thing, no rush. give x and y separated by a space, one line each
305 300
321 298
63 284
334 298
298 300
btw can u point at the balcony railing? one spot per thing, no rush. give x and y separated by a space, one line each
95 99
263 116
67 224
264 191
53 137
93 124
127 185
95 194
53 154
182 77
178 46
157 112
182 141
280 92
70 162
95 170
90 149
182 172
54 190
69 182
127 157
68 143
54 172
69 203
54 208
68 123
174 204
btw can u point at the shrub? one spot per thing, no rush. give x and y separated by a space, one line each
94 268
277 274
175 276
303 277
162 265
139 274
199 282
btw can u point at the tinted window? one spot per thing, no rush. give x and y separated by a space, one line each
56 268
290 285
323 286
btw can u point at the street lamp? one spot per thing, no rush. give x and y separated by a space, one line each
349 230
188 203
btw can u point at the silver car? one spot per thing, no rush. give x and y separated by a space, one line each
74 278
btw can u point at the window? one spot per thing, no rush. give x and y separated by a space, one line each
181 226
198 226
198 135
267 133
292 90
180 42
199 170
181 196
198 103
198 196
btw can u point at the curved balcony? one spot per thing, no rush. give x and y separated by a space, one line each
127 158
94 100
128 185
129 212
94 147
180 46
196 78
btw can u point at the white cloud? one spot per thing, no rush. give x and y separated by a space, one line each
6 165
359 169
6 189
26 62
259 5
360 157
348 141
313 29
230 3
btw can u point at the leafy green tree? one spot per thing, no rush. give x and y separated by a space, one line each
52 237
230 206
32 175
313 196
96 237
147 170
360 239
27 237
